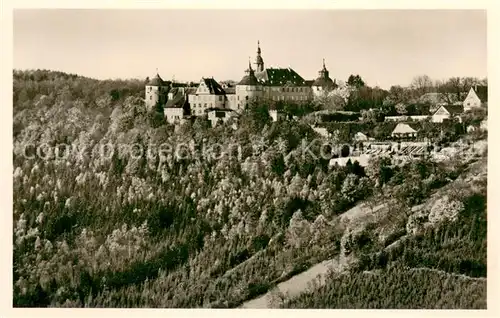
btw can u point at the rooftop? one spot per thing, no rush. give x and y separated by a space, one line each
156 81
402 128
214 87
280 77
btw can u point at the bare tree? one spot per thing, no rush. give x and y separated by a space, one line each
398 94
421 84
456 88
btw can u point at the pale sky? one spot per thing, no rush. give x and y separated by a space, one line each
384 47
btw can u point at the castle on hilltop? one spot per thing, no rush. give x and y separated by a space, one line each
272 84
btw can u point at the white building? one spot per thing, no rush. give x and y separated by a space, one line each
447 112
476 97
209 94
323 85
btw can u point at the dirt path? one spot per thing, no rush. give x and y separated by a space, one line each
301 282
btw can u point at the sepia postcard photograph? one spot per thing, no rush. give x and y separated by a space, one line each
248 158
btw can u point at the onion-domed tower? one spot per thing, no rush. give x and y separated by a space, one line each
323 82
248 89
258 60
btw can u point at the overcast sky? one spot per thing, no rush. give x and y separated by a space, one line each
384 47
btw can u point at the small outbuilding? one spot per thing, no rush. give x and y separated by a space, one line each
404 131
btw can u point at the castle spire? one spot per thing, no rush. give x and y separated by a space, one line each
259 61
323 73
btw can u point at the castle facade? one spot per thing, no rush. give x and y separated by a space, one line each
271 84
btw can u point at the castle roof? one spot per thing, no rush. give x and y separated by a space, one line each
249 78
178 99
280 77
214 87
156 81
324 79
323 82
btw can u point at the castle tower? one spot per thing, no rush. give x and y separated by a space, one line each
156 93
323 83
248 89
323 73
259 61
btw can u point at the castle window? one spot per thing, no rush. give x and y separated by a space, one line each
220 98
150 97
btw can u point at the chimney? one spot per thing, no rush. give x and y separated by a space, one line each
475 87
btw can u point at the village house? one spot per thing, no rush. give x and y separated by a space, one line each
447 112
477 96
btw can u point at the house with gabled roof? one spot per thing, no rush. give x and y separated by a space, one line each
209 94
446 112
477 96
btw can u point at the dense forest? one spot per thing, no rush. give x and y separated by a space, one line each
218 225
